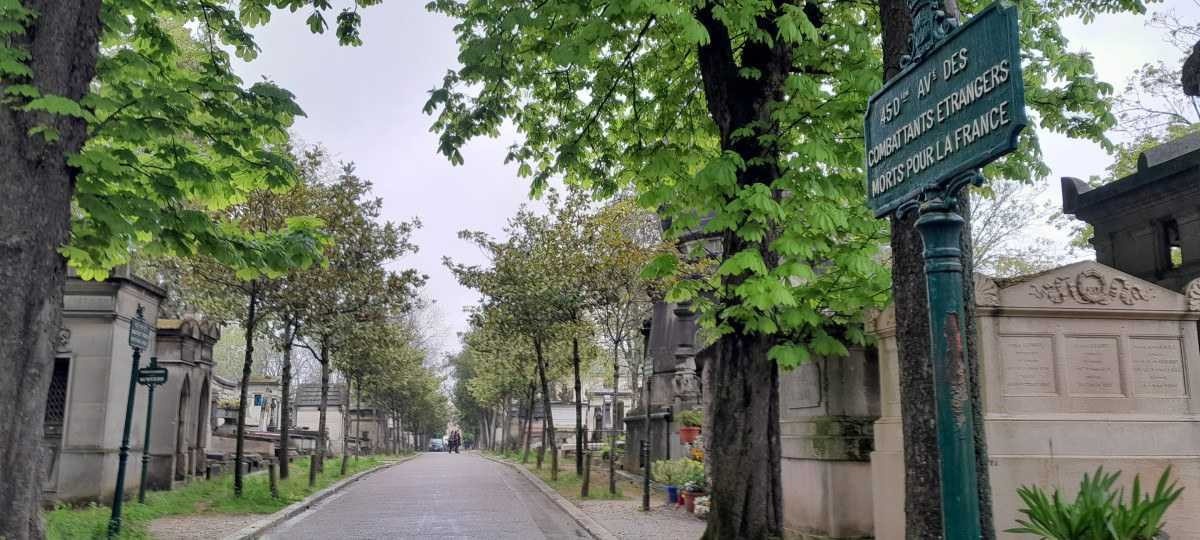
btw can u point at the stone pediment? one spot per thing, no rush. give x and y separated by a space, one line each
1088 285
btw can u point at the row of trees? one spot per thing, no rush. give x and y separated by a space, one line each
350 312
125 125
563 286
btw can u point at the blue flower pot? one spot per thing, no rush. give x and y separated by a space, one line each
673 494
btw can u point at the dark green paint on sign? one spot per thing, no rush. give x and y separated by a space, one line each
957 110
140 333
150 376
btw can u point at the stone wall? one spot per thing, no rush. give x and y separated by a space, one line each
827 409
1082 366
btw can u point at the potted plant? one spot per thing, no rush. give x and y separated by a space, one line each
690 429
666 472
1099 510
692 475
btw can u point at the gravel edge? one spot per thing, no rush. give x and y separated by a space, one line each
590 525
264 525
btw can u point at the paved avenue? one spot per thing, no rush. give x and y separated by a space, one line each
439 496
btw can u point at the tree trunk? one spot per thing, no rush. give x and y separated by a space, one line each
548 422
36 186
744 443
616 372
285 413
578 409
345 408
358 420
251 326
504 424
528 424
922 482
318 463
747 498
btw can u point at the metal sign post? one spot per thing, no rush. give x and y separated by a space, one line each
140 333
958 105
648 377
149 377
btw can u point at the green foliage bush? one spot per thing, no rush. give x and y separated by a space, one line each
691 418
1098 512
677 472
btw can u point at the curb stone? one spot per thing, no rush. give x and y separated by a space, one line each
262 526
590 525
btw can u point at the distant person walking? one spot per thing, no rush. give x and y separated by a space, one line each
455 441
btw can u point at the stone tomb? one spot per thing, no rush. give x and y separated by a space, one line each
1082 366
826 411
182 419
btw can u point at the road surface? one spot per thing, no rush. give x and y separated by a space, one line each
436 495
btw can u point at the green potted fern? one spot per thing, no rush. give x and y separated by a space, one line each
1098 512
690 421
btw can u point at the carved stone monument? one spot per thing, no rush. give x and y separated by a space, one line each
1082 366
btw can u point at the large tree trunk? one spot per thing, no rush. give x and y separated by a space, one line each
578 409
744 443
36 186
922 483
548 438
747 498
285 414
251 327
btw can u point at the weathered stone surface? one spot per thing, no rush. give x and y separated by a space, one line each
827 414
1082 366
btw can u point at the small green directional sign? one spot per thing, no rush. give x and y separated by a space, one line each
151 376
959 108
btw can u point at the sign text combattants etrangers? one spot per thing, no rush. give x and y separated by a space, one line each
960 108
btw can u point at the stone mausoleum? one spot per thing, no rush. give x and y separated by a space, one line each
1087 365
85 407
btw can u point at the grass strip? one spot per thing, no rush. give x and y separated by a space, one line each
200 497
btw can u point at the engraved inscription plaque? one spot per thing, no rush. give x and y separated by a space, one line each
801 388
1094 368
1157 366
1028 365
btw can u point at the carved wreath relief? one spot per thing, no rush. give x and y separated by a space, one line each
1091 287
1193 295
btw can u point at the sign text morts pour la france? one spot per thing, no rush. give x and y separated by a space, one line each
958 109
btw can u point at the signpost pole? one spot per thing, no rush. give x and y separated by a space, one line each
140 334
941 229
957 105
146 439
114 523
648 377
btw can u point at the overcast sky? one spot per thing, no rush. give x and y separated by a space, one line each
364 104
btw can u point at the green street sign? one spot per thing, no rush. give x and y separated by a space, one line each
151 376
958 109
140 332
